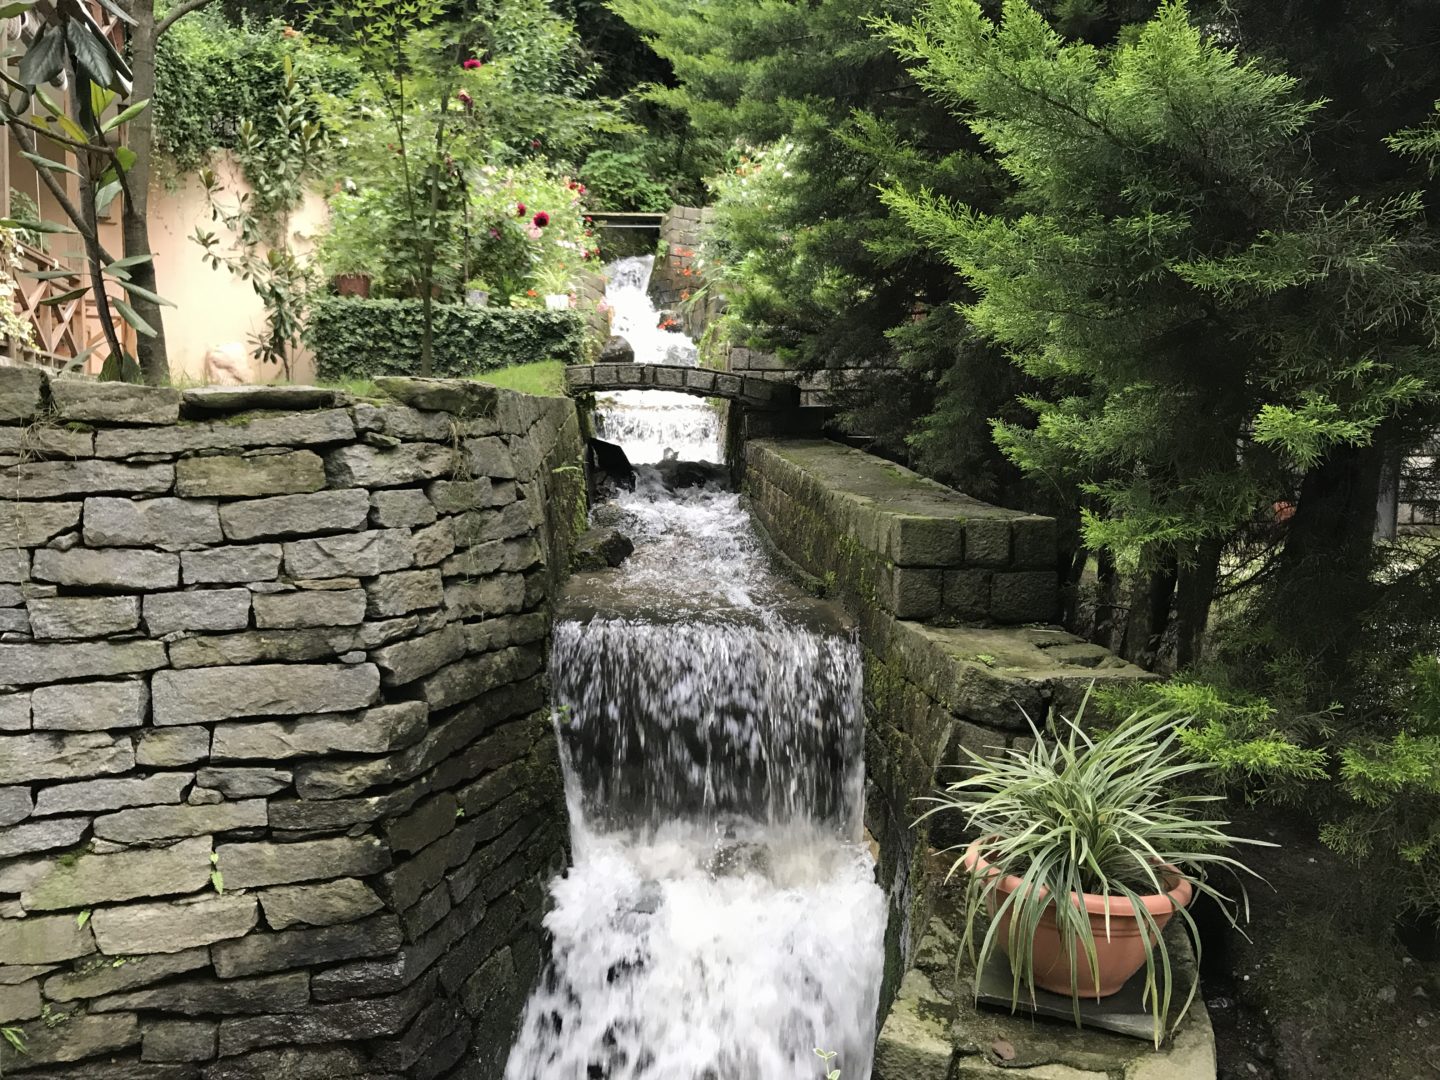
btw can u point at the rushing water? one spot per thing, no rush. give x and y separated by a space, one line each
721 919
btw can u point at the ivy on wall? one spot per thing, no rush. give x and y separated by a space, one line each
359 339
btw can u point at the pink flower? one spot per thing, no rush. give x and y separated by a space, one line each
534 144
472 64
533 231
494 233
541 219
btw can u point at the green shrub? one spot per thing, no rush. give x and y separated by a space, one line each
359 339
624 180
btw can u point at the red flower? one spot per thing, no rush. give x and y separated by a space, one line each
465 99
472 64
534 144
541 219
519 209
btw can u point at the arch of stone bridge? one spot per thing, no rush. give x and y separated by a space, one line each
750 390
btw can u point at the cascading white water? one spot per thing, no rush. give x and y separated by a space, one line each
649 424
721 919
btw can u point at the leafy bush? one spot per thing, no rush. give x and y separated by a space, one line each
359 339
624 180
212 74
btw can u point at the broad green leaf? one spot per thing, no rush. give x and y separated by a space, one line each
119 12
23 225
9 11
48 275
130 316
44 59
126 114
90 54
129 261
100 99
106 195
136 290
51 301
46 163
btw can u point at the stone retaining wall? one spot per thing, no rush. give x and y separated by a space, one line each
952 598
278 793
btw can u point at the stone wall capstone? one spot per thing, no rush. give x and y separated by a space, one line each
278 789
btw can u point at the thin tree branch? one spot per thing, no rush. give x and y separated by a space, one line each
27 143
179 11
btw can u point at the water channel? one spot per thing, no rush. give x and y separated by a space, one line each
721 919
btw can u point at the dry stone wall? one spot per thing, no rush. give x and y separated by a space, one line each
277 788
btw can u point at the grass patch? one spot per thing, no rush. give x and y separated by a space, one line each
545 378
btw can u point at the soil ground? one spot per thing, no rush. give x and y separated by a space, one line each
1323 989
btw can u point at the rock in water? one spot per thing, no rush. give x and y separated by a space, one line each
617 351
602 547
608 459
676 474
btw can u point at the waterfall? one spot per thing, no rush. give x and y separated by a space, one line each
721 920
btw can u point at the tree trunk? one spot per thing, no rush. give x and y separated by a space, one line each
1151 597
1194 591
1322 584
135 224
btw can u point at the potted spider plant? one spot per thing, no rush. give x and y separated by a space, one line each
1114 824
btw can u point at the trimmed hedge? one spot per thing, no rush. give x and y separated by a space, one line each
359 339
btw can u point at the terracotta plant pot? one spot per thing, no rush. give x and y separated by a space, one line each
1119 955
353 285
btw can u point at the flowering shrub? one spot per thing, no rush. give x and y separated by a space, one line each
527 233
12 326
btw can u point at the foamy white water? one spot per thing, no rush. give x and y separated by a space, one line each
721 919
653 424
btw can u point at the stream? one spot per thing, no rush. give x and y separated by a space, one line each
721 919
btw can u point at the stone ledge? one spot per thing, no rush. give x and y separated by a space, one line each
755 393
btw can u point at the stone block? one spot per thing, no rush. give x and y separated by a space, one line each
1025 596
247 475
462 397
168 747
296 515
498 594
15 711
178 1040
434 542
167 523
198 997
457 496
231 565
15 566
372 467
20 1001
57 479
127 875
33 524
89 706
25 759
915 594
98 795
422 826
309 608
44 939
46 834
216 399
987 541
469 678
244 783
232 433
1034 543
197 609
490 457
967 594
46 442
132 929
364 554
104 978
144 823
15 805
406 661
71 617
206 694
20 392
324 903
926 541
78 1038
108 568
261 953
374 731
401 508
402 422
252 865
403 592
93 402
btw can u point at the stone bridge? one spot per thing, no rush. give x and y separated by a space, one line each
750 390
